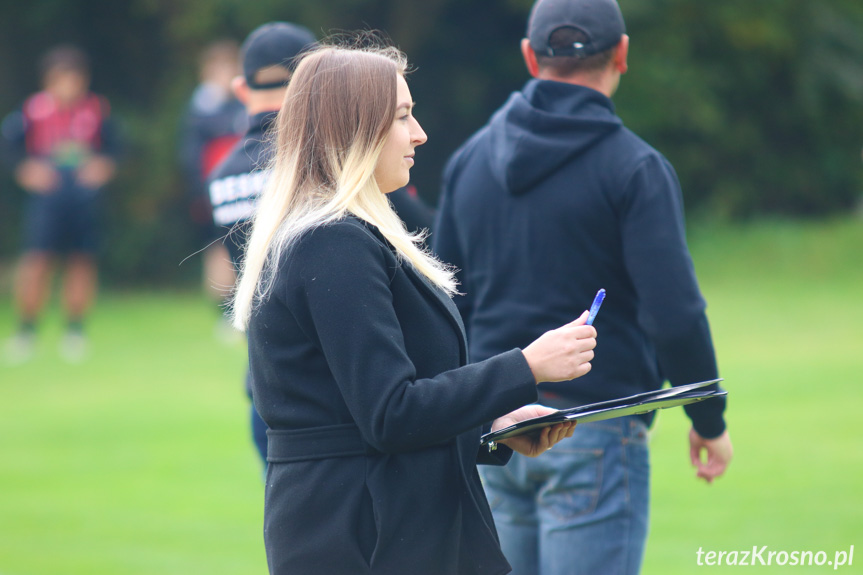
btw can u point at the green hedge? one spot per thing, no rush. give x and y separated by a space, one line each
758 105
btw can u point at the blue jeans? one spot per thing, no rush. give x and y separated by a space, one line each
580 508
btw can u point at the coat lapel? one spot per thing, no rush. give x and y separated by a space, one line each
445 303
432 292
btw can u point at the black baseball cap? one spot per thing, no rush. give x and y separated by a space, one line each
599 20
274 44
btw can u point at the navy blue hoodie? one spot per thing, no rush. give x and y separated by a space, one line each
553 199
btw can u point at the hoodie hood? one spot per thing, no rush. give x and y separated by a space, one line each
544 126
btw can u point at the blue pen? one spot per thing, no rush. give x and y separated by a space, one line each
594 307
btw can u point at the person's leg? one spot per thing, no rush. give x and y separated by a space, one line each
31 288
79 289
32 285
43 226
80 241
637 454
511 493
594 511
78 292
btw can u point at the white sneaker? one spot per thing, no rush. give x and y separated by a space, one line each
20 348
73 347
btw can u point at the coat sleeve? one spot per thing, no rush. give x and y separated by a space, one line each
346 304
673 309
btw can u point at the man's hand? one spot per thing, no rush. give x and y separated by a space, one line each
37 176
536 443
719 453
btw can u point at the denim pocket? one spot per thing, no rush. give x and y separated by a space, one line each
573 490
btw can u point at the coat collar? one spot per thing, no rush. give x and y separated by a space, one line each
433 292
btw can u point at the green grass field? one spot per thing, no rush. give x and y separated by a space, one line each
138 461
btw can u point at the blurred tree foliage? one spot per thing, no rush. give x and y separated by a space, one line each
759 105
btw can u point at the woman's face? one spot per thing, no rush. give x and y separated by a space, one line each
397 156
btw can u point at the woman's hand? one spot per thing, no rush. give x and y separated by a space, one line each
535 443
563 353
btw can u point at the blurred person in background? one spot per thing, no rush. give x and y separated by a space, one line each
553 199
268 59
357 351
63 147
213 123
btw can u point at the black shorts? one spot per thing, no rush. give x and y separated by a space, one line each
65 221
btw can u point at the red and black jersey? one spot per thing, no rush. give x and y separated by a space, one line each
64 134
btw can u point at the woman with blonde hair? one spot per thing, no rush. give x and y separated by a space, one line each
358 354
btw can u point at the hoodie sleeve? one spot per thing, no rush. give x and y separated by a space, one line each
673 309
447 245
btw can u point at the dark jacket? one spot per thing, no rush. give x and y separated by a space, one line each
351 339
212 124
236 183
549 202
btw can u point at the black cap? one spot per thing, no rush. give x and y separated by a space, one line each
274 44
599 20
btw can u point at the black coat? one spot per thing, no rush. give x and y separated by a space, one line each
351 339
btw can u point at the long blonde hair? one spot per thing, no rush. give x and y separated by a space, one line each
337 113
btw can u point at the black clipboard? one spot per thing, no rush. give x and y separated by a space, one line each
632 405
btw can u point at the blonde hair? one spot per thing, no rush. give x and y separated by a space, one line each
337 113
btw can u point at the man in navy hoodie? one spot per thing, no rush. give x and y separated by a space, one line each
553 199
